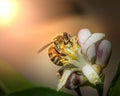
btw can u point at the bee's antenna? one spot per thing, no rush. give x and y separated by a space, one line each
45 46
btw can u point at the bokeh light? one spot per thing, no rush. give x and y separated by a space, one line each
8 10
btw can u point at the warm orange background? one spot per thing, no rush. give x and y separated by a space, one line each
39 20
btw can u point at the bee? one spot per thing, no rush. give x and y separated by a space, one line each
62 49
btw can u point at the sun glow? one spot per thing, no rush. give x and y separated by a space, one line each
8 9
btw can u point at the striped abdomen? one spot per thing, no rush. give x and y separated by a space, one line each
56 57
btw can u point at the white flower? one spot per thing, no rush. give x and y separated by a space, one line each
92 57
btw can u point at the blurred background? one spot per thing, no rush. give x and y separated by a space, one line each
27 25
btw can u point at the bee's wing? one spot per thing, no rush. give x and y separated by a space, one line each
45 46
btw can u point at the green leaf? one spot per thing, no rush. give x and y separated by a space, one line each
41 91
11 80
114 89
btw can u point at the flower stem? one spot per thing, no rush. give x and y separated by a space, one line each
77 90
100 90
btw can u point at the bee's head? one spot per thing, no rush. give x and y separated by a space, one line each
62 40
66 37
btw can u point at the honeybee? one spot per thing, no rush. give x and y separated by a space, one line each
62 49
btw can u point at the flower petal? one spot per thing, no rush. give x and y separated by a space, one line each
91 40
65 77
91 53
103 53
83 36
91 75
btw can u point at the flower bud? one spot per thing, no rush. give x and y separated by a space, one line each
71 82
103 53
75 80
91 53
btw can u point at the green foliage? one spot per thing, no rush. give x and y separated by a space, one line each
39 92
114 89
11 80
2 93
